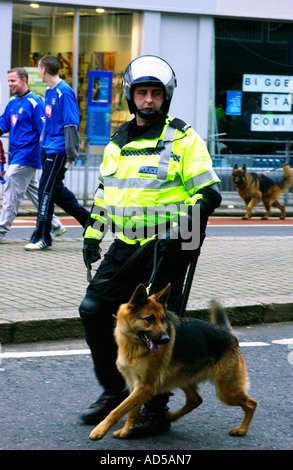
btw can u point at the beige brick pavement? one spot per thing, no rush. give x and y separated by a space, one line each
238 271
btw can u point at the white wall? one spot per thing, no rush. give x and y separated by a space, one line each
185 42
179 43
261 9
5 41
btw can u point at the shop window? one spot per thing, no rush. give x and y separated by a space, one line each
37 32
254 85
105 44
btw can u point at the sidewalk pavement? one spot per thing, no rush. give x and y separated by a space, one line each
41 291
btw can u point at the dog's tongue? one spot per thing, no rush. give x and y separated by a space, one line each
154 348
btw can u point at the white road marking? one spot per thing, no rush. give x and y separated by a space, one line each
72 352
67 352
283 341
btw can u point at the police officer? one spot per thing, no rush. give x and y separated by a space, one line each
155 171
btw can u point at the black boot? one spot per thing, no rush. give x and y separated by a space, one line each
102 407
153 418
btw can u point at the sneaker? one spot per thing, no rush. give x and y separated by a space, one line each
2 238
57 232
102 407
150 423
36 246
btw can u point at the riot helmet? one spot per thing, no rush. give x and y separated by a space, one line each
149 70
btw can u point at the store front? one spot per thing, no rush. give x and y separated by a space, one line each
217 60
84 40
254 85
233 62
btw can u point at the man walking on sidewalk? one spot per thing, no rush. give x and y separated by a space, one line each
24 119
59 150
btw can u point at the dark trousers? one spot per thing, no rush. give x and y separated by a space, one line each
102 300
52 191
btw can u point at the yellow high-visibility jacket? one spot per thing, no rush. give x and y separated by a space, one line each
148 181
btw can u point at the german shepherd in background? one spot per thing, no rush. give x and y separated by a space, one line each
158 351
253 188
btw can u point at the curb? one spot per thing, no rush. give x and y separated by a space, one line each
238 212
71 327
223 211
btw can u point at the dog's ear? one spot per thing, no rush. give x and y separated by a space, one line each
244 167
139 298
235 166
163 296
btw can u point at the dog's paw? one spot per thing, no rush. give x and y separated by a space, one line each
121 433
97 433
238 431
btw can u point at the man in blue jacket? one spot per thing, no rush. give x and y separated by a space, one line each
59 149
24 119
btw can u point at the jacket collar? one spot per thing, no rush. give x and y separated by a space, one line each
123 133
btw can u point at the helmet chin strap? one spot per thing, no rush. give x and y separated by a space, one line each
149 115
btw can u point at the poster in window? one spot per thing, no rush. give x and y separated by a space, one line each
100 88
65 60
109 62
234 103
35 83
97 61
99 110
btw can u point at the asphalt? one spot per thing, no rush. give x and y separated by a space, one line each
41 291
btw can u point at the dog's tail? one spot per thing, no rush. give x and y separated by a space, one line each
288 178
218 315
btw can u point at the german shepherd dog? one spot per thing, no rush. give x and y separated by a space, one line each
158 351
253 188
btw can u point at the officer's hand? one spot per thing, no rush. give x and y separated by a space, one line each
91 254
169 241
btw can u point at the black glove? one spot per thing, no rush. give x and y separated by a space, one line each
91 253
169 241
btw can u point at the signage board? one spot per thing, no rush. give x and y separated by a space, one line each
35 83
276 102
268 83
276 97
272 122
100 88
234 102
99 110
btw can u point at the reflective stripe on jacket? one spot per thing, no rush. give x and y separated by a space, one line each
148 182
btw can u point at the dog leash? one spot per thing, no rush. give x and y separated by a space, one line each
274 169
156 266
188 283
126 266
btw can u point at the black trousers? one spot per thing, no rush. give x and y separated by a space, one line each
53 191
102 300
